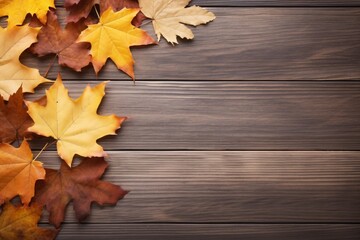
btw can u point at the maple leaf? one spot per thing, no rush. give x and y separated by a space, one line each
81 8
53 39
78 9
112 37
16 10
14 118
79 184
21 223
73 123
13 73
18 172
168 17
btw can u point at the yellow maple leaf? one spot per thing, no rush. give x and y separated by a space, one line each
18 172
73 123
168 15
112 38
14 74
16 10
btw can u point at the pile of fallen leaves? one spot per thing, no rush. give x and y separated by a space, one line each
95 31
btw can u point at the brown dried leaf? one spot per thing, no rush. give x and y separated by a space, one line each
79 184
62 42
14 118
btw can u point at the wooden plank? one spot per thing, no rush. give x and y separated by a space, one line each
231 187
211 231
232 115
262 3
249 44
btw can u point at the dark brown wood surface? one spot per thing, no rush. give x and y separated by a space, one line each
248 44
211 152
211 231
241 115
232 186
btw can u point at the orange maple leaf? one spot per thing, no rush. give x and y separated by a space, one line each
112 38
18 172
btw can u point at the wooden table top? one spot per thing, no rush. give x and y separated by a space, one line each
250 131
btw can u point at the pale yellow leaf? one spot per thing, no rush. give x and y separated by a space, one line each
169 17
13 73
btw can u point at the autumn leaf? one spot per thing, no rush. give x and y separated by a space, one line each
16 10
13 73
21 223
53 39
79 9
79 184
117 5
112 38
73 123
18 172
14 118
169 17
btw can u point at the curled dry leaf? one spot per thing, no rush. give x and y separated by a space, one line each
14 118
14 74
168 17
112 38
21 223
62 42
75 124
79 184
16 10
18 172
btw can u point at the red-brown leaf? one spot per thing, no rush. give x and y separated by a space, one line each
79 184
52 39
14 118
81 8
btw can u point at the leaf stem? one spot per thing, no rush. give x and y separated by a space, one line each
97 12
43 149
50 65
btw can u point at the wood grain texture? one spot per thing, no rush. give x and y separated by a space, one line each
211 232
232 115
248 44
262 3
190 97
231 187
